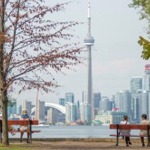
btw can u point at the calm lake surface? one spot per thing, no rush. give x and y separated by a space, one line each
71 132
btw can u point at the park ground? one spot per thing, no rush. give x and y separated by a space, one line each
74 144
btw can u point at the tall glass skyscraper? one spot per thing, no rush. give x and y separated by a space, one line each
71 112
69 97
147 78
135 86
85 113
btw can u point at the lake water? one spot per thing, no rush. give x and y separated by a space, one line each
71 132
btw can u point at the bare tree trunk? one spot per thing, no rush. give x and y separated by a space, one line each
3 90
5 139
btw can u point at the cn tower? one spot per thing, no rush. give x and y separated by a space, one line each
89 41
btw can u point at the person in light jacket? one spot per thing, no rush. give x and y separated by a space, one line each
143 132
24 116
125 132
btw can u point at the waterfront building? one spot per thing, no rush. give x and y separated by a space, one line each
147 78
85 113
27 105
97 98
84 97
52 116
12 107
71 112
139 105
110 117
118 98
104 103
123 101
111 105
62 101
20 109
69 97
126 105
89 41
135 86
41 111
144 104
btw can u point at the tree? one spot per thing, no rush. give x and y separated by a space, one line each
32 45
144 6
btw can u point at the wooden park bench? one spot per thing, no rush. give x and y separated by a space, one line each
119 127
21 123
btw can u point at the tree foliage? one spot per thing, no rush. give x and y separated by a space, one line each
31 44
144 10
146 48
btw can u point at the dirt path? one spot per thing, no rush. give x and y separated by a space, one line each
77 145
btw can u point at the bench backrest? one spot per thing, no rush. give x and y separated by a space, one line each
22 122
129 126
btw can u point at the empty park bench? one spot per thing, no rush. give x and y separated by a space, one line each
21 123
119 127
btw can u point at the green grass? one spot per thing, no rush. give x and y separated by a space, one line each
16 147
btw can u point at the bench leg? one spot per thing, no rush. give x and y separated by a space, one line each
148 141
117 141
30 137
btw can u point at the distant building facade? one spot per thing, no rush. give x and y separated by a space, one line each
69 97
110 117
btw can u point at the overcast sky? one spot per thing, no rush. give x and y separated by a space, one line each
116 54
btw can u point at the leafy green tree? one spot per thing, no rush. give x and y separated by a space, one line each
144 10
32 45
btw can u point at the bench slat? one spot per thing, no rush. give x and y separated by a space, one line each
33 131
22 122
129 126
129 135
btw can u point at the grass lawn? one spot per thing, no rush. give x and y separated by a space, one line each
17 147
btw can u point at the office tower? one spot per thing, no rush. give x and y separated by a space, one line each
97 98
118 98
62 101
71 112
139 105
111 104
85 113
78 109
41 111
135 86
12 107
20 109
147 78
84 97
126 105
69 97
145 104
27 105
104 103
89 41
52 116
123 101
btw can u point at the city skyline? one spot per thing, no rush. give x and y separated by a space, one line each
116 54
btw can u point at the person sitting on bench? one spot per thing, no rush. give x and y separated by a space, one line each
125 132
24 116
143 132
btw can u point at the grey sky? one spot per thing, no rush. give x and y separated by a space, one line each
116 53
